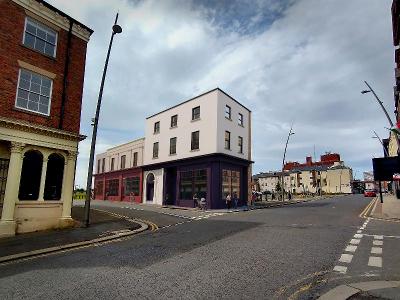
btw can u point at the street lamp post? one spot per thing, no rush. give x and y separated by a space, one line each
390 122
380 141
115 29
283 162
384 110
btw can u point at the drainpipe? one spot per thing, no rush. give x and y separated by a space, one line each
66 71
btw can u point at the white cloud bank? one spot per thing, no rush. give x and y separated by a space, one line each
303 63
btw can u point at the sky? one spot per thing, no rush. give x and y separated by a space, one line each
300 62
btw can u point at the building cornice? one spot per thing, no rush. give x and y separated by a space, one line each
56 17
44 130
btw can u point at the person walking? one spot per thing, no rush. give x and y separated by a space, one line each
235 200
196 200
228 201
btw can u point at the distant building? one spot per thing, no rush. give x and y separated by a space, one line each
43 53
309 179
327 160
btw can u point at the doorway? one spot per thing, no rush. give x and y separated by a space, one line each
150 187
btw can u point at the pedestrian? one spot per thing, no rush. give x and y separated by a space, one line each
235 200
196 200
228 201
290 196
203 203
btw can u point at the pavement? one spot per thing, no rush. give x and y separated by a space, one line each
388 210
104 227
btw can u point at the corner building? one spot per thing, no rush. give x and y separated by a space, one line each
42 62
199 147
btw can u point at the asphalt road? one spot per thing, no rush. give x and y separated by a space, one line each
281 253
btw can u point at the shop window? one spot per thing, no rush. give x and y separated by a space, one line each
112 187
193 182
230 183
131 186
99 188
54 177
31 173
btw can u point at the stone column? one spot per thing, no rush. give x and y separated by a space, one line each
7 223
43 178
67 189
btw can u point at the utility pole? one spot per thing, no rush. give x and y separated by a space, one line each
115 29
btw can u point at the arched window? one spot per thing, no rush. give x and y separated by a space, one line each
31 173
54 177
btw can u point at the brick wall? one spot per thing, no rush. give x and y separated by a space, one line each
12 22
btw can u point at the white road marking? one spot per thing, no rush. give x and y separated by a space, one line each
358 236
362 227
377 243
340 269
359 231
376 250
375 261
346 258
354 241
351 248
378 237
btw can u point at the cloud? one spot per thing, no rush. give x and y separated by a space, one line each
300 62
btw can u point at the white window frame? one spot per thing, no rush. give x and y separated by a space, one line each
45 28
27 109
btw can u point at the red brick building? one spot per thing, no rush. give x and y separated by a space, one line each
327 160
42 62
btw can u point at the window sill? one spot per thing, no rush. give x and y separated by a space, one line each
228 149
31 112
155 133
230 119
195 120
41 53
241 125
195 150
173 127
155 157
172 154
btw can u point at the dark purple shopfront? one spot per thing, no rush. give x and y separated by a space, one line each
209 176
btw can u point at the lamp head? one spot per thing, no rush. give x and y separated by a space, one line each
116 28
365 91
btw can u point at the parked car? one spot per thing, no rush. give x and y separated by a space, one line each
369 193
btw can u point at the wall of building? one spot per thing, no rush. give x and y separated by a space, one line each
231 125
13 52
206 125
339 180
127 149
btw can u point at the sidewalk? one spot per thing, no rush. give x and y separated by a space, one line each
388 210
103 227
364 290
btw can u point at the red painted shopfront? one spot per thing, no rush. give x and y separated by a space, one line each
121 185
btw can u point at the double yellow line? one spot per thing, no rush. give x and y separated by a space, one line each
367 208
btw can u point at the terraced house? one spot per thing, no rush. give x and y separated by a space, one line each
42 61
